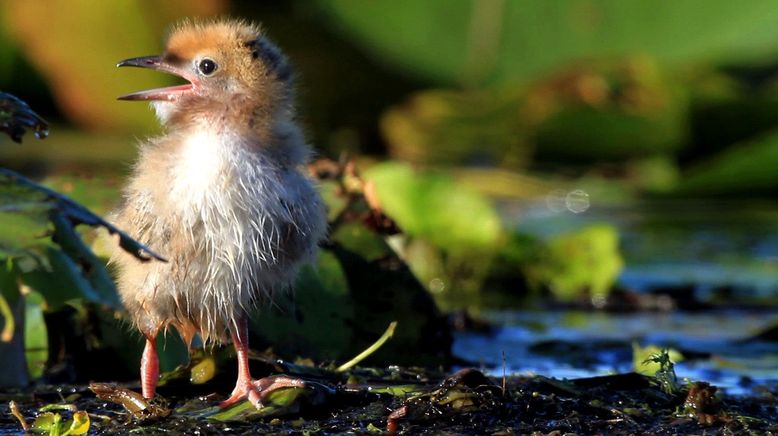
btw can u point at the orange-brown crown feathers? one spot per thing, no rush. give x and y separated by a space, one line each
235 74
239 49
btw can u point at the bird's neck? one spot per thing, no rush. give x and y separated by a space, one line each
236 114
274 135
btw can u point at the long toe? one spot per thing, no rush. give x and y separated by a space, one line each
237 395
257 391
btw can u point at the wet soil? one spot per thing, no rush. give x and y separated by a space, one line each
465 402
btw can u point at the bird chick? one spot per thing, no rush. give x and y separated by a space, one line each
221 194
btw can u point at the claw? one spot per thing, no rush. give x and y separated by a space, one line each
257 391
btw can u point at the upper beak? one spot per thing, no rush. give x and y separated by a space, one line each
157 63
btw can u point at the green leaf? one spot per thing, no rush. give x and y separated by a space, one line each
23 217
453 232
63 280
276 400
577 133
203 371
501 41
79 424
385 290
99 194
36 341
48 422
358 238
585 262
100 287
171 351
432 206
321 298
745 168
9 296
64 211
12 309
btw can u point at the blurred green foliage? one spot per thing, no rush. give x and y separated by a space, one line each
456 244
447 127
652 359
76 44
746 168
431 205
52 423
580 82
586 262
321 297
605 111
520 84
358 286
452 232
46 264
475 41
36 338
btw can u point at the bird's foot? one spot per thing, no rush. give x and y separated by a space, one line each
256 391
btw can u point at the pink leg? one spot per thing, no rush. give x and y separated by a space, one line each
245 386
149 368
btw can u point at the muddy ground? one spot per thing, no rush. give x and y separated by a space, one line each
416 402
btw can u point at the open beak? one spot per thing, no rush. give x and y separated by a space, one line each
159 94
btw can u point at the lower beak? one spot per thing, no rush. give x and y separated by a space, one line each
159 94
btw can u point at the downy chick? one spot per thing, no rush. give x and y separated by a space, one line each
221 194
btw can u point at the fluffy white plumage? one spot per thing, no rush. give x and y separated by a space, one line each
234 222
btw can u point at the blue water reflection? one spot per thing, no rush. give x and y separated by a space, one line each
719 346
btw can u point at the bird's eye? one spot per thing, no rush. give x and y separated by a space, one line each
207 66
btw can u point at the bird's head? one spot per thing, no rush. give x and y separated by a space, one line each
230 67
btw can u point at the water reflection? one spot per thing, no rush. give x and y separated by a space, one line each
720 347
